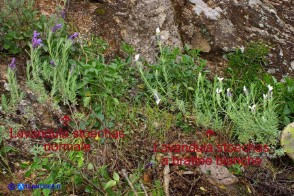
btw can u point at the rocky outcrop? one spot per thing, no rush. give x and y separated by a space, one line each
217 26
214 26
144 18
132 21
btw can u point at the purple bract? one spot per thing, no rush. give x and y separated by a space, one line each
12 65
35 41
52 62
63 14
73 36
56 27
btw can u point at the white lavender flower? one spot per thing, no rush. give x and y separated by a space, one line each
253 108
157 30
218 91
220 79
270 88
137 56
264 96
229 94
156 97
6 86
245 90
242 49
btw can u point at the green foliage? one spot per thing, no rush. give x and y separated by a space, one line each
108 92
9 105
246 66
254 120
236 169
18 20
93 46
207 103
55 67
172 79
158 190
4 150
284 93
158 121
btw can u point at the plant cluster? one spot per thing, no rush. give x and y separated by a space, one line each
246 64
18 19
64 68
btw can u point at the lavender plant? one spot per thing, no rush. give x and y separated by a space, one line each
15 94
34 69
172 78
254 120
207 103
57 71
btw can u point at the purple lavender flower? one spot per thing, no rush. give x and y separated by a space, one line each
52 63
36 34
63 14
35 41
56 27
73 36
150 164
12 65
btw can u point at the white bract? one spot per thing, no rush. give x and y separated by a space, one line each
137 56
252 108
242 49
156 97
270 88
245 90
6 86
220 79
218 91
157 30
264 96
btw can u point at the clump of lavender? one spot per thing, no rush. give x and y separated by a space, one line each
35 41
12 86
73 36
56 27
12 65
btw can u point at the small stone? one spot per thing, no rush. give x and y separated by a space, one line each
271 71
219 175
292 65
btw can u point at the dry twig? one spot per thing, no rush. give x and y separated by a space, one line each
166 179
129 182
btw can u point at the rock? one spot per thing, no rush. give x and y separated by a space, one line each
218 175
215 27
227 25
145 17
287 140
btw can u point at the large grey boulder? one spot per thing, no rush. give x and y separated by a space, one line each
220 26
